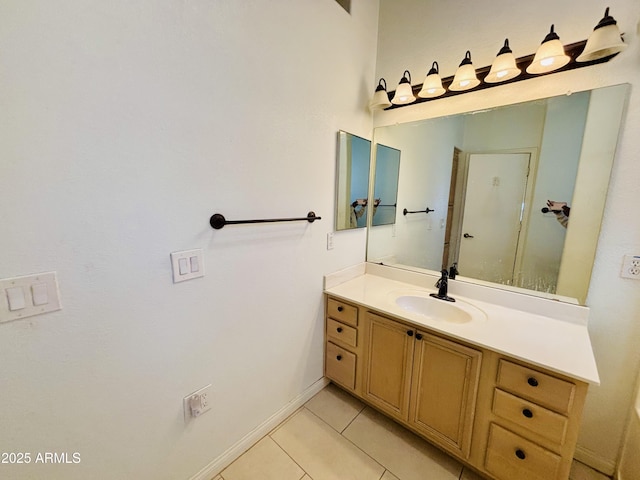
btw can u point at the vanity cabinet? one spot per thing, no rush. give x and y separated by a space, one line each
389 358
343 350
444 387
425 381
504 417
533 422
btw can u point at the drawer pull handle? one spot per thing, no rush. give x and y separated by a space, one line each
520 454
418 336
339 357
532 381
527 413
410 333
340 308
339 329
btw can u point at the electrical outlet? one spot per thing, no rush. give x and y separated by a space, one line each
631 267
197 403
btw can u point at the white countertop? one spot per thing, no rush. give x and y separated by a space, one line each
553 343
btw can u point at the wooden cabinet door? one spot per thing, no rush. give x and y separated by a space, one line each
444 388
388 359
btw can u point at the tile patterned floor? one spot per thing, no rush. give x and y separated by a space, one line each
336 437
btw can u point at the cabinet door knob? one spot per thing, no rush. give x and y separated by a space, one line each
520 454
340 308
339 357
527 413
532 381
410 333
418 336
339 329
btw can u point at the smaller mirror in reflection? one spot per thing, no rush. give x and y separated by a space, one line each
385 191
352 184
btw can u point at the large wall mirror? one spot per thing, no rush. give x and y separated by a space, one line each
352 181
517 192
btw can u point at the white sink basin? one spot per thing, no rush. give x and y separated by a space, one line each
458 312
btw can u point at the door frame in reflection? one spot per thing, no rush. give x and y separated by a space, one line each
510 259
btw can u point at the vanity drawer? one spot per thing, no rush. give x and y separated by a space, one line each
339 331
536 386
342 311
535 418
340 365
511 457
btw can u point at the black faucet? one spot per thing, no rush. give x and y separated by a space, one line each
453 271
443 285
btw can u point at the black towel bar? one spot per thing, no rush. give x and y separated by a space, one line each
218 221
405 211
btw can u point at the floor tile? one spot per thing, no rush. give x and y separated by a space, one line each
322 452
335 406
406 455
470 475
580 471
265 460
307 477
389 476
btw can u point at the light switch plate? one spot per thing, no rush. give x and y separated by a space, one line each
40 292
330 241
187 265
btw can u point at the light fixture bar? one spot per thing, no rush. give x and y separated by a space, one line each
572 50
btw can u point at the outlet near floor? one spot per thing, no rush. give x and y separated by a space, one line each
197 403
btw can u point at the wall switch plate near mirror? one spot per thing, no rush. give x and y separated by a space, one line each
500 175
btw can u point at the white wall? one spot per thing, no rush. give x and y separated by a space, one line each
443 31
629 467
123 127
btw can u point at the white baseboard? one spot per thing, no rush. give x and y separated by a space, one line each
245 443
590 459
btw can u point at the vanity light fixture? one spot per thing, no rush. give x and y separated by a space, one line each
604 43
380 99
504 66
465 77
605 40
432 86
404 92
550 55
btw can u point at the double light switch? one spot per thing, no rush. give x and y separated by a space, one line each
187 264
28 295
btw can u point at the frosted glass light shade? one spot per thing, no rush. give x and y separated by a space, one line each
404 92
605 40
550 55
432 86
504 66
465 77
380 98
